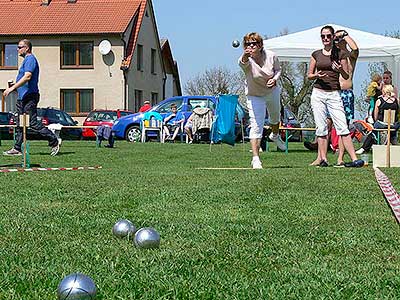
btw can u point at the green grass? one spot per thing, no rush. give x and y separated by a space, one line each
287 231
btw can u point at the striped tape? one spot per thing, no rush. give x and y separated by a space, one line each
49 169
392 197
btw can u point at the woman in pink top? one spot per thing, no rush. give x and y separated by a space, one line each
262 71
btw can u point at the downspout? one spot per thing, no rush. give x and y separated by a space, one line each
124 72
163 88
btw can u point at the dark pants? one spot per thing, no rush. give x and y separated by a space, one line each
29 105
372 140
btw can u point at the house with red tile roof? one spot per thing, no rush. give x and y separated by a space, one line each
93 54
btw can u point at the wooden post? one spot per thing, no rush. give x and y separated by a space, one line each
24 138
388 138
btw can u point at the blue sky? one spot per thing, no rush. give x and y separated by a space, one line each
201 32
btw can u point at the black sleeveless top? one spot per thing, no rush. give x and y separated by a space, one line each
386 106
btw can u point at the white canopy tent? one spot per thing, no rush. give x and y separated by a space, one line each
297 47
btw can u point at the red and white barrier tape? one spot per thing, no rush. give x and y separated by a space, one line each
392 197
49 169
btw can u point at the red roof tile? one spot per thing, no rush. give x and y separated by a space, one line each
24 17
126 62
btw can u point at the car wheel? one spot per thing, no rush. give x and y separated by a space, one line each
133 134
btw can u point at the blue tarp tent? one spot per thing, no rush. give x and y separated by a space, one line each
223 128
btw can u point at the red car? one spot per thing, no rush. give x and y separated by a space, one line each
102 117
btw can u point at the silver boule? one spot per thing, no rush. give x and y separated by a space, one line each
147 238
76 286
124 228
235 44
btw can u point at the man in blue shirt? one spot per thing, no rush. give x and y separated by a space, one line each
28 99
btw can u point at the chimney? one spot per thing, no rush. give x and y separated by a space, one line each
46 2
71 1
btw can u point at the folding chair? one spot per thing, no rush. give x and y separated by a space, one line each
152 122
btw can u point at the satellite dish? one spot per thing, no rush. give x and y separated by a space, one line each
104 47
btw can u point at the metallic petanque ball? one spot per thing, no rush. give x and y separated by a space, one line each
147 238
124 228
76 286
235 44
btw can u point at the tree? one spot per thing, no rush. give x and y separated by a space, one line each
296 88
215 81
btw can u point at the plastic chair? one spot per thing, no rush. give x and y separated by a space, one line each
153 122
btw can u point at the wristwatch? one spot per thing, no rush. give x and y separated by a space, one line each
344 33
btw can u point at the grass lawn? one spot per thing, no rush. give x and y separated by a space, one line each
287 231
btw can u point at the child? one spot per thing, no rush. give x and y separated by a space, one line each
374 86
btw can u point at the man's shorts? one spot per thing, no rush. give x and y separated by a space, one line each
348 104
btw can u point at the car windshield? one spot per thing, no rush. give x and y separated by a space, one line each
4 118
203 103
56 116
166 107
109 116
125 113
69 119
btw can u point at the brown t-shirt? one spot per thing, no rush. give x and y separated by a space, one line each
324 64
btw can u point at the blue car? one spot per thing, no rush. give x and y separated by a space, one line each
128 127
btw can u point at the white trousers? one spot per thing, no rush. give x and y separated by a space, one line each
325 103
257 107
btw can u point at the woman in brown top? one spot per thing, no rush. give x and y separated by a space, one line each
325 67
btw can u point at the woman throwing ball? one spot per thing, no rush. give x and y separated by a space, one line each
262 71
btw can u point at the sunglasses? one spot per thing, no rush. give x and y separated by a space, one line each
251 44
326 36
20 47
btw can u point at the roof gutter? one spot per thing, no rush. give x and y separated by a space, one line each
125 87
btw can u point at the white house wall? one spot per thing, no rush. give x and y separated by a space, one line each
144 80
106 81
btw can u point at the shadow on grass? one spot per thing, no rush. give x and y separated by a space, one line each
18 166
59 153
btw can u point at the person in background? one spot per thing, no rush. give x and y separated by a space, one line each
28 99
342 40
262 70
188 128
388 100
387 79
326 65
145 107
373 92
173 122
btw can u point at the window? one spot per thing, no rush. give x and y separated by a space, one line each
153 61
193 103
140 57
76 55
125 113
8 56
77 101
154 98
138 99
166 107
